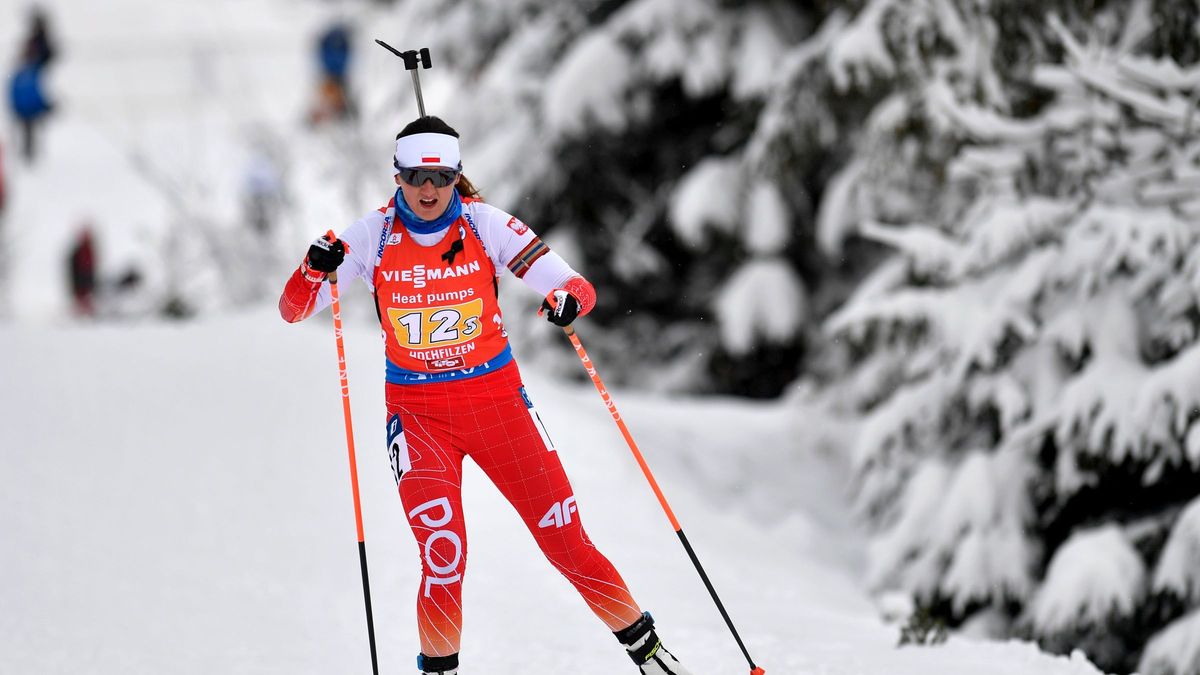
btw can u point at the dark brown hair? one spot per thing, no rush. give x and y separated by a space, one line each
435 125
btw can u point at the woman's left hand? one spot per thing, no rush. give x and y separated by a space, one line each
560 307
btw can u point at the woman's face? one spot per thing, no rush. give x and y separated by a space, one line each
427 201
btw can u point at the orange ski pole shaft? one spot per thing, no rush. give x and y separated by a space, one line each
362 546
662 500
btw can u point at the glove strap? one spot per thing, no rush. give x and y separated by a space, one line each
583 291
310 274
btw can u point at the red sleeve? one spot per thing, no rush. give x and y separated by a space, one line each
583 291
299 297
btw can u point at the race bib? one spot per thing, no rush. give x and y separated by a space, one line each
432 327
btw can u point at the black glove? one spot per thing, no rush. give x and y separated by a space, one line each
326 254
563 311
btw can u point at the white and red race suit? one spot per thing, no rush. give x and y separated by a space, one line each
453 390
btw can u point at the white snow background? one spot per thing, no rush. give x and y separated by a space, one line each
174 497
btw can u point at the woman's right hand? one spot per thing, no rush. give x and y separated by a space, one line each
325 255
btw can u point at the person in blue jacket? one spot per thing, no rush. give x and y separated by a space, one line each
334 51
29 104
27 98
334 48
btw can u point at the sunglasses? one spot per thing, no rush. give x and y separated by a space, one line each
417 177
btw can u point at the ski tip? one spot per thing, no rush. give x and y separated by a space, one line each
758 671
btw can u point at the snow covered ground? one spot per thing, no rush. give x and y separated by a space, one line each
174 498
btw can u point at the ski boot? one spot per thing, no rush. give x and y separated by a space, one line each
646 649
438 665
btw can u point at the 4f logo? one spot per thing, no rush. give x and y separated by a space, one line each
559 514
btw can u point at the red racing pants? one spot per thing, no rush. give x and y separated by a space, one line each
431 428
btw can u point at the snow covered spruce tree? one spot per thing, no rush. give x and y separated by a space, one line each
680 146
1027 364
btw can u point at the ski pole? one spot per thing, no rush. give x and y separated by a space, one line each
662 500
362 546
412 59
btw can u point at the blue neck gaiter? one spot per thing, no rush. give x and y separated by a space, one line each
415 224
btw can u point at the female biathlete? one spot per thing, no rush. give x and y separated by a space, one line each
432 257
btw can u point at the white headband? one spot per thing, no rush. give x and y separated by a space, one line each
426 150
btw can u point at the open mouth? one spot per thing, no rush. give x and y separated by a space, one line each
428 203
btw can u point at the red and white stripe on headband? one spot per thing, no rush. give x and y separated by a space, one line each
427 150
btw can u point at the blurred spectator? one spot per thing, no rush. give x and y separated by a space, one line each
39 48
333 95
81 264
26 96
29 104
334 49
